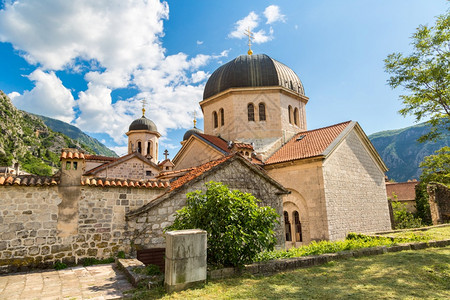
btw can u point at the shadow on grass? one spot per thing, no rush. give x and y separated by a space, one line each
409 274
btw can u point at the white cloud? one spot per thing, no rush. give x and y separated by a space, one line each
273 14
116 44
251 22
49 97
199 42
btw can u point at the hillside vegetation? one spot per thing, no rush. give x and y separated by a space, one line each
24 138
402 153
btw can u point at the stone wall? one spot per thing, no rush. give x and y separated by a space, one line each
30 224
148 225
439 199
355 190
305 182
130 169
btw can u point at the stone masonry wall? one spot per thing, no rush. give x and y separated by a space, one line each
29 224
130 169
147 227
355 190
439 203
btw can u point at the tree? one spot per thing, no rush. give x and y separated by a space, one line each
237 228
426 74
436 168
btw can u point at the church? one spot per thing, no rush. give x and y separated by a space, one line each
256 106
323 182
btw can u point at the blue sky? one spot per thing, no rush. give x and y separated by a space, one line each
91 62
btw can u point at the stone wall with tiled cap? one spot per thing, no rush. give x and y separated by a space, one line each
29 218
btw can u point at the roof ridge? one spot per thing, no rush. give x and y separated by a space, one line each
312 130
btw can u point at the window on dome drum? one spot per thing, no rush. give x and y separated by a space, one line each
298 227
139 148
290 114
262 112
216 122
149 148
296 116
222 117
287 227
75 165
251 112
68 165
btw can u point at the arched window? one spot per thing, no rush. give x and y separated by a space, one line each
298 227
262 112
139 148
222 117
251 112
287 227
216 121
296 116
149 148
290 114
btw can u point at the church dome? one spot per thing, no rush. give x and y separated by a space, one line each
143 124
258 70
190 132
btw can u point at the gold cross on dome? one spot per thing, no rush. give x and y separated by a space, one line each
250 37
144 102
195 120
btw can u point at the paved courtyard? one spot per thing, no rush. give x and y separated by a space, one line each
94 282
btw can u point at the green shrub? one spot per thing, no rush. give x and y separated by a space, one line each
121 254
59 265
90 261
353 241
238 229
403 218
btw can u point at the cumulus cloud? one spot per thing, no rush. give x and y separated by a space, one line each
273 14
115 44
251 22
49 97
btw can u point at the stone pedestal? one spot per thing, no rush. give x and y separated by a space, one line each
185 259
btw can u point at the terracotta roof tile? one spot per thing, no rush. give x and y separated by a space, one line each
151 183
28 180
71 153
197 171
243 145
99 157
215 141
307 144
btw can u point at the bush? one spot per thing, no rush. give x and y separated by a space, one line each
403 218
236 227
59 265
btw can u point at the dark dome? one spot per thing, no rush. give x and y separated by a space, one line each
143 124
252 71
190 132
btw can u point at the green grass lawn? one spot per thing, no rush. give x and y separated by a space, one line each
423 274
434 233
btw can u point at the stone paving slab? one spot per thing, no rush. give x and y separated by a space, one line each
94 282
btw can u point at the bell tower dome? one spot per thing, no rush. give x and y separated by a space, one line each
143 137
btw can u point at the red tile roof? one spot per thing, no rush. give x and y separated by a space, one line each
99 157
216 141
197 171
403 190
243 145
307 144
28 180
71 153
108 182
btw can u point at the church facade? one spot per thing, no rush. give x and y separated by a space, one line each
324 183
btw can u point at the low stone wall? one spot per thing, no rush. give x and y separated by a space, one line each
279 265
34 233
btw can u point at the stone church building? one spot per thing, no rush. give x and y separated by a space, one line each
323 182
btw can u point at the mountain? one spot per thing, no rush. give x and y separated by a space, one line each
402 153
77 135
24 138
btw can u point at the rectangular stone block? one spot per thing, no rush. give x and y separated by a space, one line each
185 259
